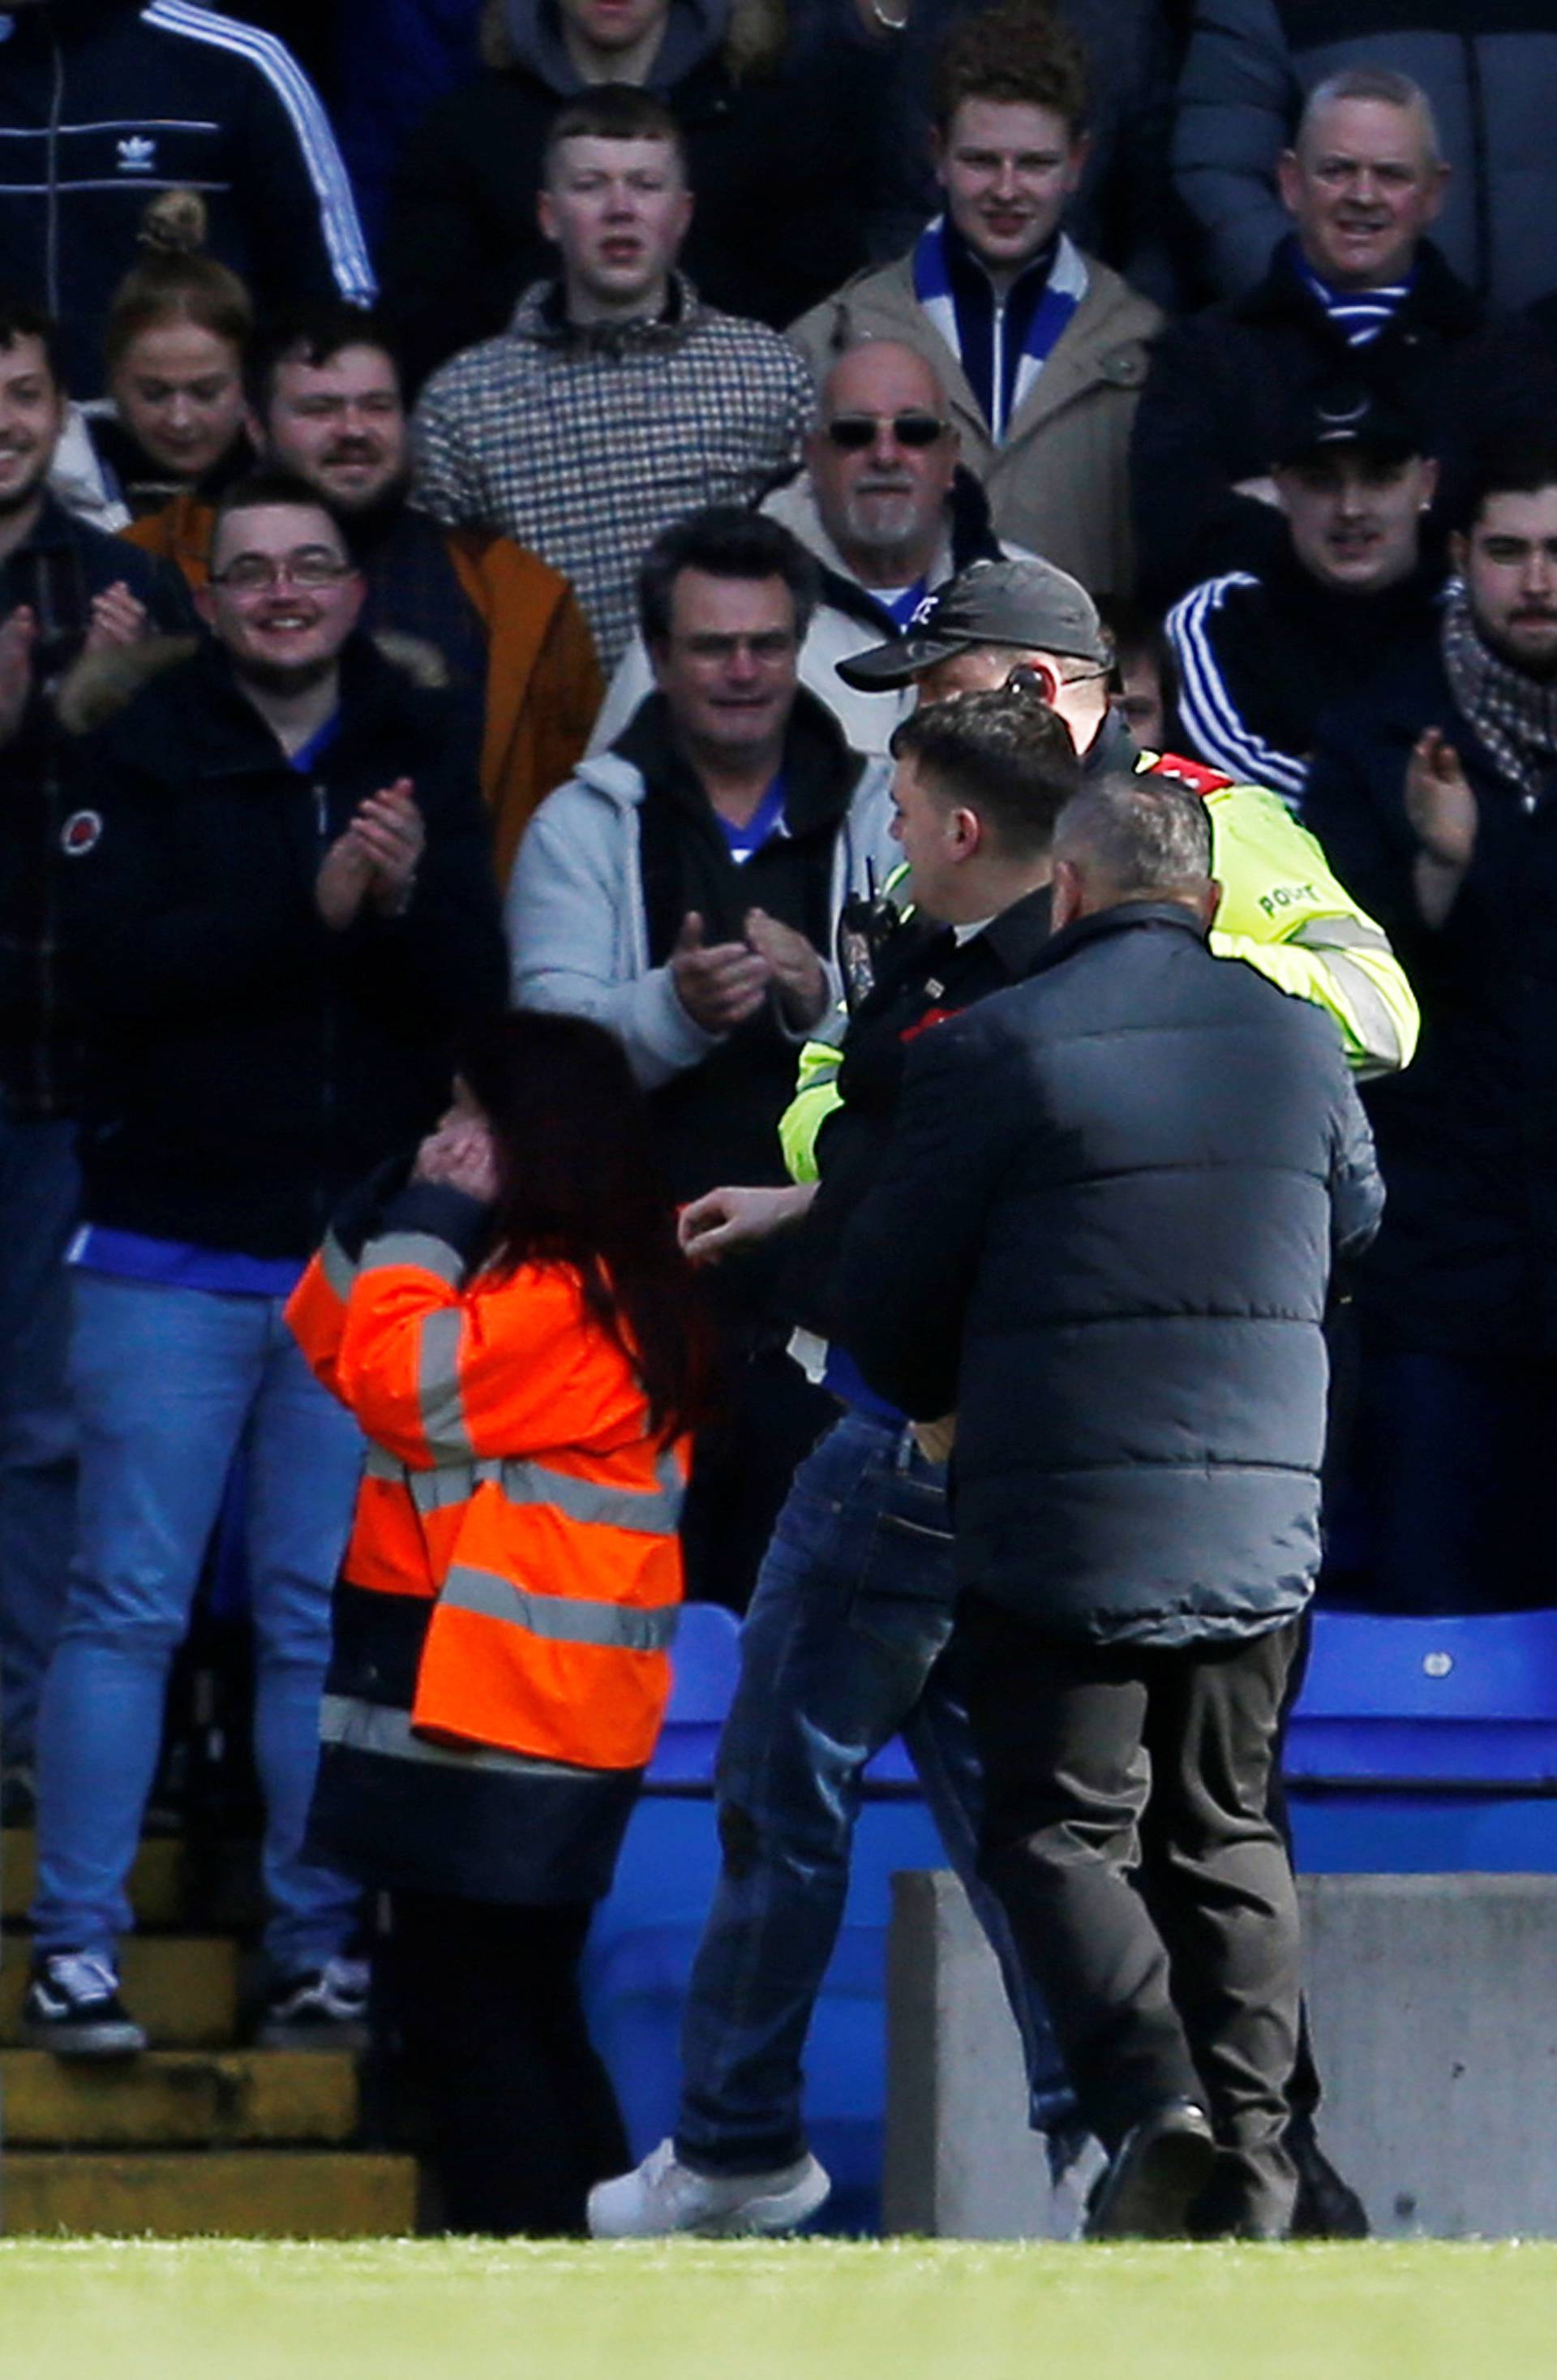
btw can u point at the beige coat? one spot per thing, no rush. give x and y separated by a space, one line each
1059 483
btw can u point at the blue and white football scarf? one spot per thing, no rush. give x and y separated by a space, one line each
1002 340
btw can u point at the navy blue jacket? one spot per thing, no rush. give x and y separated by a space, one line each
1103 1238
1466 1261
104 103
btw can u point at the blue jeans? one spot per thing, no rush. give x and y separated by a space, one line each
169 1383
844 1646
40 1193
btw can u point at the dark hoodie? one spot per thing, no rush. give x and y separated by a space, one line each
775 158
102 102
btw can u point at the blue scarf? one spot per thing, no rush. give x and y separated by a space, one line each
1004 341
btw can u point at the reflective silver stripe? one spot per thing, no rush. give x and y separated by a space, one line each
369 1726
647 1511
1375 1022
1340 934
382 1464
438 1384
336 1266
423 1249
564 1620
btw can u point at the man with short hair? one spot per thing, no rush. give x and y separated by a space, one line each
1251 64
685 890
888 512
1433 791
1042 350
616 402
1355 289
1104 1235
1261 657
283 913
329 402
65 591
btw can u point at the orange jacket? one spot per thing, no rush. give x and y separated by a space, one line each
544 686
511 1484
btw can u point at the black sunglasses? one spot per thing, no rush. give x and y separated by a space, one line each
855 432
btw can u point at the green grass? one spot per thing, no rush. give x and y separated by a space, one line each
801 2311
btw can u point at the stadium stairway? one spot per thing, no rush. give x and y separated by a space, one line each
198 2136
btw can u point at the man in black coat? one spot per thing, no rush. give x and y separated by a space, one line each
1104 1239
1436 794
1356 290
282 914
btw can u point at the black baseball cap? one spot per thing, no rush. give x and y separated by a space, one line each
1349 414
1028 604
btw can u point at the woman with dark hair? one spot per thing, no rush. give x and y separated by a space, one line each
515 1330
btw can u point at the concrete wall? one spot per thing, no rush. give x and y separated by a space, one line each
1433 2002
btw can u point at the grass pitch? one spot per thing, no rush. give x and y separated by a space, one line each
224 2309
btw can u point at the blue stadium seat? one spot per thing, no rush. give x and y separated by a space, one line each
704 1667
1427 1746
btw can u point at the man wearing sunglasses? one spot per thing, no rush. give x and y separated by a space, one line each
281 913
1042 350
888 511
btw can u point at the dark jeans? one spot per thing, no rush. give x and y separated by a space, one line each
523 2118
1128 1829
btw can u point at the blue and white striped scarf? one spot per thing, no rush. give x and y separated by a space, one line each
1002 342
1359 314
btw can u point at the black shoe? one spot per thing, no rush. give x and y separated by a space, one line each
1327 2209
73 2008
1162 2165
324 2009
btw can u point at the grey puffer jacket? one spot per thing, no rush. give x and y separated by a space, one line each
1489 67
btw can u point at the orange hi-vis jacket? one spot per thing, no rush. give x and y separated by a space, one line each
511 1486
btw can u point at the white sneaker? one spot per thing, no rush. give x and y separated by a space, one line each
663 2195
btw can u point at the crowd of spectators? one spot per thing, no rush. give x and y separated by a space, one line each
440 482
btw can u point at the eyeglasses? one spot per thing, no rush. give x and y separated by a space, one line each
256 574
854 432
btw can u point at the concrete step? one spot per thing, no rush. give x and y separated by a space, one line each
221 2194
158 1881
176 2098
182 1987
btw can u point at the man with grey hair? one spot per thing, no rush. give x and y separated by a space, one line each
1353 286
1104 1234
1483 72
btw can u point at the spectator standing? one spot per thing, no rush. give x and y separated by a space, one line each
776 137
1435 793
685 891
530 1266
175 422
67 592
102 98
1356 289
617 401
887 511
1252 64
1122 210
394 59
283 913
1105 1244
1260 658
506 629
1041 350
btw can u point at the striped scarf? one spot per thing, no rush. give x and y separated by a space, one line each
1514 716
1004 341
1359 314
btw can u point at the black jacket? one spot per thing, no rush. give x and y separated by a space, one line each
1104 1237
252 1064
103 103
1466 1261
775 164
1224 384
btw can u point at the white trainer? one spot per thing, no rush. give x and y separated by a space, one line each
662 2195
